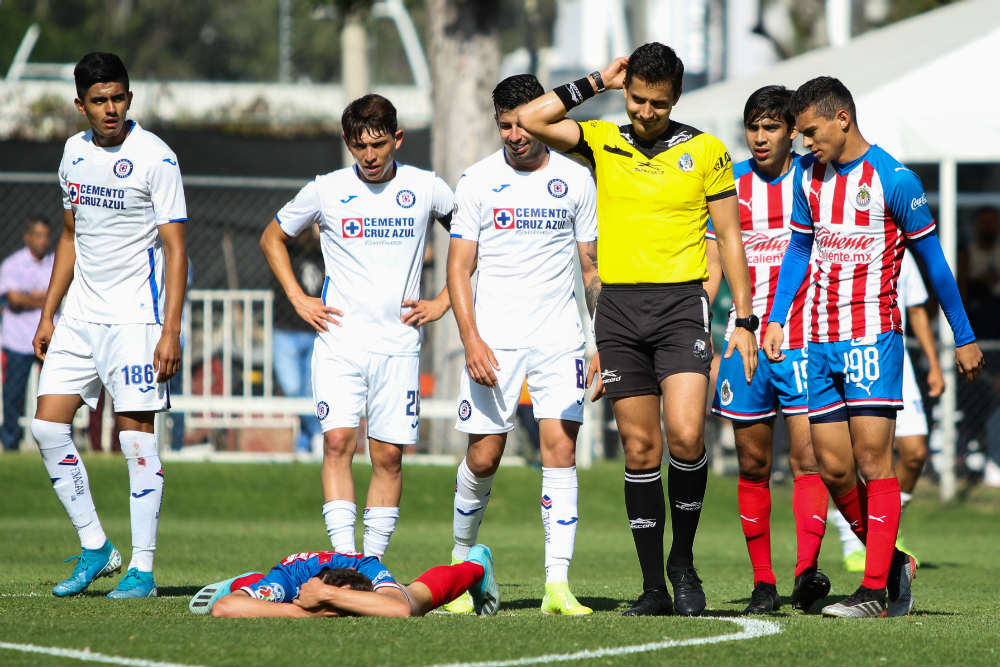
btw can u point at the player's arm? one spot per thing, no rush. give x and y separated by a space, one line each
726 220
167 357
545 116
240 605
921 325
274 244
479 358
591 290
794 267
714 261
389 601
62 276
425 311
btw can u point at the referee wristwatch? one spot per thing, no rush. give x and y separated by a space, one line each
598 81
749 323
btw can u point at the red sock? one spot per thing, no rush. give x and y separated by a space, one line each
849 505
754 501
248 580
809 502
447 582
883 523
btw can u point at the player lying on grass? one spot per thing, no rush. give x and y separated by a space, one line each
327 583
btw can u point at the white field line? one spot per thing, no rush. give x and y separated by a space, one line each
751 628
86 655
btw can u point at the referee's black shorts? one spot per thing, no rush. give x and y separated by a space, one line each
647 332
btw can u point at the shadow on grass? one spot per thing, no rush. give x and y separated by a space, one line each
597 604
177 591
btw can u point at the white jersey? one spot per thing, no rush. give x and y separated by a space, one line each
119 196
911 288
527 224
373 237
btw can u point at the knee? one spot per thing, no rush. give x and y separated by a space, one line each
339 444
388 462
754 465
837 476
50 434
482 463
913 455
642 451
687 443
873 464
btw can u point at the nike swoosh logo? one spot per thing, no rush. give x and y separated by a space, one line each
501 188
469 513
570 522
169 161
78 160
344 201
144 492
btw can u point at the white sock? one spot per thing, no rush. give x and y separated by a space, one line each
340 516
145 476
380 522
848 540
559 519
472 495
904 500
69 480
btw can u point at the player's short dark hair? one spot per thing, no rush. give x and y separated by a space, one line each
344 576
371 112
656 63
771 102
825 94
98 67
516 90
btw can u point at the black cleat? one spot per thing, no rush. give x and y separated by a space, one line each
689 597
654 602
902 572
763 600
863 603
811 585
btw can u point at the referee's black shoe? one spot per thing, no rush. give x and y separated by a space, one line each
811 585
654 602
763 600
689 597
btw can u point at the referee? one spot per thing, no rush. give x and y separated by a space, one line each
657 182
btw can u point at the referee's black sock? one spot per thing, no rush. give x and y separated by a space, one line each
646 514
686 481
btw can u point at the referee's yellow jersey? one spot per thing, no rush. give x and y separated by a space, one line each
652 200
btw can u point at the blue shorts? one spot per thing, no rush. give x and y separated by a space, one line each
775 383
858 373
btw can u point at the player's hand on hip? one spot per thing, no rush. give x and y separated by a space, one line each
771 343
422 312
43 336
594 377
315 312
167 356
969 360
935 382
745 342
482 363
614 74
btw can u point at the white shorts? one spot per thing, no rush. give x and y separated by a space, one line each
387 388
84 355
556 381
911 420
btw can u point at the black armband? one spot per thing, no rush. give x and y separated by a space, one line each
573 94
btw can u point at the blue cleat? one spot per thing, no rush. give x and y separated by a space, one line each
90 564
135 584
205 599
485 593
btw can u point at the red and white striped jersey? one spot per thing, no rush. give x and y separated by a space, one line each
765 217
858 214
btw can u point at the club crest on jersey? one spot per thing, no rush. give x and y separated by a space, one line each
123 168
863 199
74 193
405 198
464 410
700 349
322 410
725 393
271 592
686 163
558 188
353 228
503 218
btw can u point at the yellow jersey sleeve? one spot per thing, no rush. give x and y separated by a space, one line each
718 169
593 136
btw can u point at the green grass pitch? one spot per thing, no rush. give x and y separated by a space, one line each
221 519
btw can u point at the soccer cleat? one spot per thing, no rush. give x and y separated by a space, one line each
463 603
90 564
654 602
855 561
689 597
135 584
559 601
902 547
863 603
902 572
486 593
204 599
811 585
763 600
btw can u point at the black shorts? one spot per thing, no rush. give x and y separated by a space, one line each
648 332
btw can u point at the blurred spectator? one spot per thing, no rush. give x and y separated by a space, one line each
293 336
979 272
24 277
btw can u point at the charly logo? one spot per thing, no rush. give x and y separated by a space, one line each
464 410
686 163
558 188
322 410
725 393
123 168
405 198
863 199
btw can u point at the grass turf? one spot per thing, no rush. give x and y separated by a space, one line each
222 519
